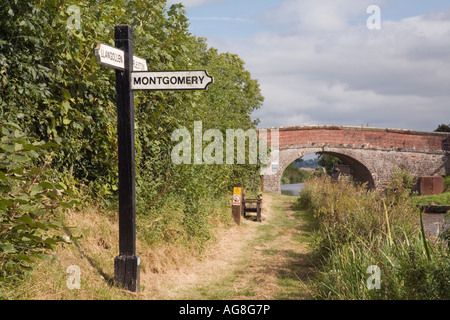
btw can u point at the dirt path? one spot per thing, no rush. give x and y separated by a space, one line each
257 260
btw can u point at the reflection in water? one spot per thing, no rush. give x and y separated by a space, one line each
292 189
434 223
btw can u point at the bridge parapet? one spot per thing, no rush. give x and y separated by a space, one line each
362 137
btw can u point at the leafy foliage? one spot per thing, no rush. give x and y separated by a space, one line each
28 196
51 83
328 162
50 80
443 128
293 174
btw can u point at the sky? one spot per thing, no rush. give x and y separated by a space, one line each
334 62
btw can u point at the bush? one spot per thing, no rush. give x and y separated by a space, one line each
293 174
51 81
29 194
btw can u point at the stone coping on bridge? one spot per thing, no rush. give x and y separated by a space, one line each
356 128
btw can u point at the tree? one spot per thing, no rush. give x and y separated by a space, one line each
328 162
443 128
51 82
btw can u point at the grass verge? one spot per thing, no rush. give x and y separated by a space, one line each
373 245
93 252
439 199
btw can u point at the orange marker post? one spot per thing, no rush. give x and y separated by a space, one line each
236 207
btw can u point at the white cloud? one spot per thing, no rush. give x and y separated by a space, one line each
313 15
321 69
235 19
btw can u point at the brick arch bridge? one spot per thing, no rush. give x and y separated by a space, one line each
372 153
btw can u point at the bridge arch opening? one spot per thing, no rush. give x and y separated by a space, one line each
359 171
297 173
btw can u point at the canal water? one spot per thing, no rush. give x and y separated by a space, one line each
292 189
433 222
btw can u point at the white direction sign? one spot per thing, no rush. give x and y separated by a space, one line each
114 57
171 80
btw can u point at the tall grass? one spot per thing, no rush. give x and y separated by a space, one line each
360 228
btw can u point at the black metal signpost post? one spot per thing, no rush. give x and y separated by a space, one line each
126 264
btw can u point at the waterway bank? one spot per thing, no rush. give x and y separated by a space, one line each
433 221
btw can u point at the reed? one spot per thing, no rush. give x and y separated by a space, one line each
359 229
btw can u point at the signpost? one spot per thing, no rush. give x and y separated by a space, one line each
128 67
170 80
113 57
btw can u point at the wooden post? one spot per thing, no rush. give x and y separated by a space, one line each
236 208
258 210
243 203
126 265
